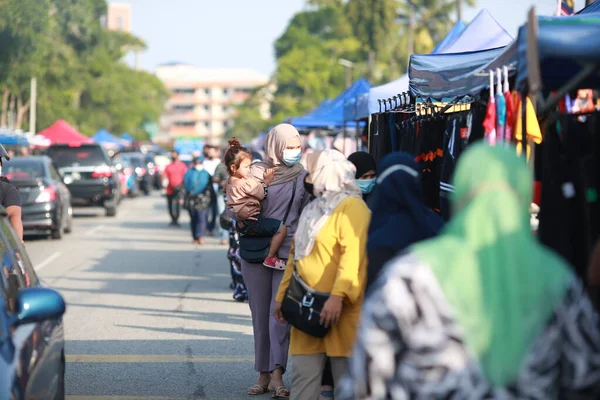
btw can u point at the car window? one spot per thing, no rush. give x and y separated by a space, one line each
54 174
12 275
23 169
20 257
86 156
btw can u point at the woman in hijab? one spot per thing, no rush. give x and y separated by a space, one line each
271 338
329 254
365 172
400 216
483 310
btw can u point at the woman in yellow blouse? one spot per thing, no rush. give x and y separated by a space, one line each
329 250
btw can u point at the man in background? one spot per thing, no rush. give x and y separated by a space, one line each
10 198
174 173
211 162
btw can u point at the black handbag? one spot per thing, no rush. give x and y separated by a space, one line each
302 306
256 249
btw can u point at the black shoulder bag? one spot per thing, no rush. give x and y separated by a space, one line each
256 249
302 306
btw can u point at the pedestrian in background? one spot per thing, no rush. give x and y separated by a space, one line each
329 254
10 198
400 217
220 178
482 311
271 338
366 171
211 162
174 172
200 194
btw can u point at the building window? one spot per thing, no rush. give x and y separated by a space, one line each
120 23
226 124
186 124
206 108
207 91
225 92
207 125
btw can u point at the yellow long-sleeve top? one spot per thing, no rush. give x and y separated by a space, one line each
337 264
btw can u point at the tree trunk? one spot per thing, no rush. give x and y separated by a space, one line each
371 64
21 111
4 116
11 111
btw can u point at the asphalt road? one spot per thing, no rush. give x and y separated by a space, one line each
149 314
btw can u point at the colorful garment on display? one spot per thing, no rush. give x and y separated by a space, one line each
533 127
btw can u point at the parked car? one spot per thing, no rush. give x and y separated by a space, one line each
89 174
32 361
128 178
138 163
45 199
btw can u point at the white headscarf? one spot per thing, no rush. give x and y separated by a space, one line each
333 181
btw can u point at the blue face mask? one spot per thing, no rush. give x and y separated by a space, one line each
291 157
366 185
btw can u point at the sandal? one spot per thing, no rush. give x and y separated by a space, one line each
257 390
281 393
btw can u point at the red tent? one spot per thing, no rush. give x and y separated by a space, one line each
63 133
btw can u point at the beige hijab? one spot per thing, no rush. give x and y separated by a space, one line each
332 176
275 143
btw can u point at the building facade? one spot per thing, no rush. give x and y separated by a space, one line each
202 103
118 17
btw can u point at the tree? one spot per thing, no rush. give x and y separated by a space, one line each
81 77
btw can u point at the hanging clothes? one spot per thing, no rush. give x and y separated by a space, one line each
533 127
570 212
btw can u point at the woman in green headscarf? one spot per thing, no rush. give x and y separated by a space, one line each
481 311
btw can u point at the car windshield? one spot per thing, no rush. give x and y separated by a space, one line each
16 169
87 156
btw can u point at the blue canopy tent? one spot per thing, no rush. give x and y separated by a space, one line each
104 137
443 76
593 8
568 48
127 137
13 140
366 104
188 146
331 115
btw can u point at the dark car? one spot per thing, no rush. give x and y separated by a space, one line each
32 358
89 174
138 163
45 200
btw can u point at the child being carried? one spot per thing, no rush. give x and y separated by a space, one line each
244 192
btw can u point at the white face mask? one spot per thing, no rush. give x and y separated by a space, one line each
199 167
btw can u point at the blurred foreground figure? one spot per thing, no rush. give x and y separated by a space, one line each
483 311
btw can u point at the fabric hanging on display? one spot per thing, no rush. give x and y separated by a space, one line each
456 139
569 212
533 127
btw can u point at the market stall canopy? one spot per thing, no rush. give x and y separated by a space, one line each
104 137
591 9
10 138
188 146
443 76
331 115
62 133
128 138
566 47
366 104
484 32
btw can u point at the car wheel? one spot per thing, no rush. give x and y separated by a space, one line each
69 227
111 211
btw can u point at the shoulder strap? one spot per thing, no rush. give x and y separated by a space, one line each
287 212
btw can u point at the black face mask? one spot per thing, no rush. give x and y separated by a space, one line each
308 187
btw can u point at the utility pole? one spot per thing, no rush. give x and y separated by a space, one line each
348 65
32 106
459 10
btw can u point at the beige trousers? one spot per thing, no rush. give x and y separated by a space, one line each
307 373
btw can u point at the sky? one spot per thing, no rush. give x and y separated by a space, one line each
240 33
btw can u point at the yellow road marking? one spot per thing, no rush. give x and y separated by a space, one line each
150 358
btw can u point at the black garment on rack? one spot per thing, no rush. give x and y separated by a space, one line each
456 138
381 141
569 211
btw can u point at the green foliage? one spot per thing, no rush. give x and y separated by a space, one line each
370 33
81 77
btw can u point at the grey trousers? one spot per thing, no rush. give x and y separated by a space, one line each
271 339
307 373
